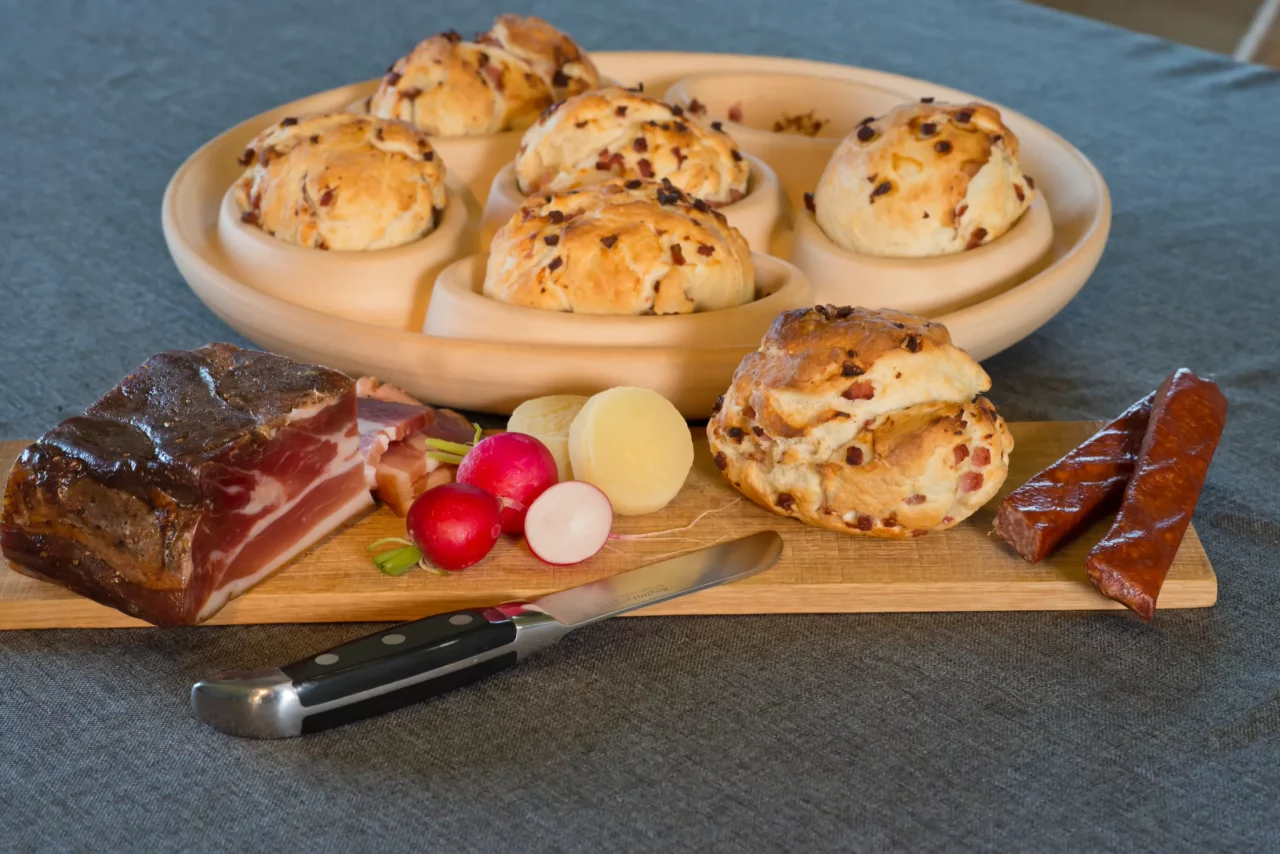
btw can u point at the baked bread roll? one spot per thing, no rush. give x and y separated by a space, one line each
863 422
342 181
925 179
499 82
450 87
625 247
617 133
551 54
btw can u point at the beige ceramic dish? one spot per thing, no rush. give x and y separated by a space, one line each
768 96
476 159
472 159
495 377
382 287
760 215
928 286
460 310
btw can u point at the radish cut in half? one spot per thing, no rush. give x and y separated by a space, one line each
568 523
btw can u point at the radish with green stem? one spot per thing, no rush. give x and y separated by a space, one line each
452 527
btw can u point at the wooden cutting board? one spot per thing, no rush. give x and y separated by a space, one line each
963 569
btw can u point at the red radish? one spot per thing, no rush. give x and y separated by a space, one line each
454 525
568 523
513 466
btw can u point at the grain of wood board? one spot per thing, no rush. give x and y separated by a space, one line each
963 569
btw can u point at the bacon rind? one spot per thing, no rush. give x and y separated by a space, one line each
372 387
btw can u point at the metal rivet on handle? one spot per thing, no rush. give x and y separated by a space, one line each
392 640
327 658
460 619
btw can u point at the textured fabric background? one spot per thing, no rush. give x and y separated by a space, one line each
925 732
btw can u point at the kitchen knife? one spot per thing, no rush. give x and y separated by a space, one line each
414 661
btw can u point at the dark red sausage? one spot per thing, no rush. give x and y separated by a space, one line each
1068 496
1131 562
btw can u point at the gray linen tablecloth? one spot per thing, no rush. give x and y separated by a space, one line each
862 732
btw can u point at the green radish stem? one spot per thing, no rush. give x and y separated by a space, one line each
451 447
434 570
444 451
400 541
398 562
391 556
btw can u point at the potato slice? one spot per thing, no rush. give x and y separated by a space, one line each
547 419
634 446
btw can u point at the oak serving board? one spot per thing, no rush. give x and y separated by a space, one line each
963 569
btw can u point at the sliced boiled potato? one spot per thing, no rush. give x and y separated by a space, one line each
634 446
547 419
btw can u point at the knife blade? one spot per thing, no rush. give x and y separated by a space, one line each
415 661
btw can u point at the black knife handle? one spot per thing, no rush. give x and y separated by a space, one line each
374 674
401 665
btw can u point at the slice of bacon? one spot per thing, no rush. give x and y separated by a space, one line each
393 436
405 473
372 387
383 423
403 467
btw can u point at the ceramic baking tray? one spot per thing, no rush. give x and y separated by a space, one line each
495 375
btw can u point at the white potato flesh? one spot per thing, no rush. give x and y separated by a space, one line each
634 445
547 419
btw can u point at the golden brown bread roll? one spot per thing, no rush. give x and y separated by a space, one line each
499 82
625 247
450 87
863 422
342 181
924 179
617 133
551 54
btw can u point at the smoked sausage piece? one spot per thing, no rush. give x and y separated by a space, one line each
1131 562
1070 495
